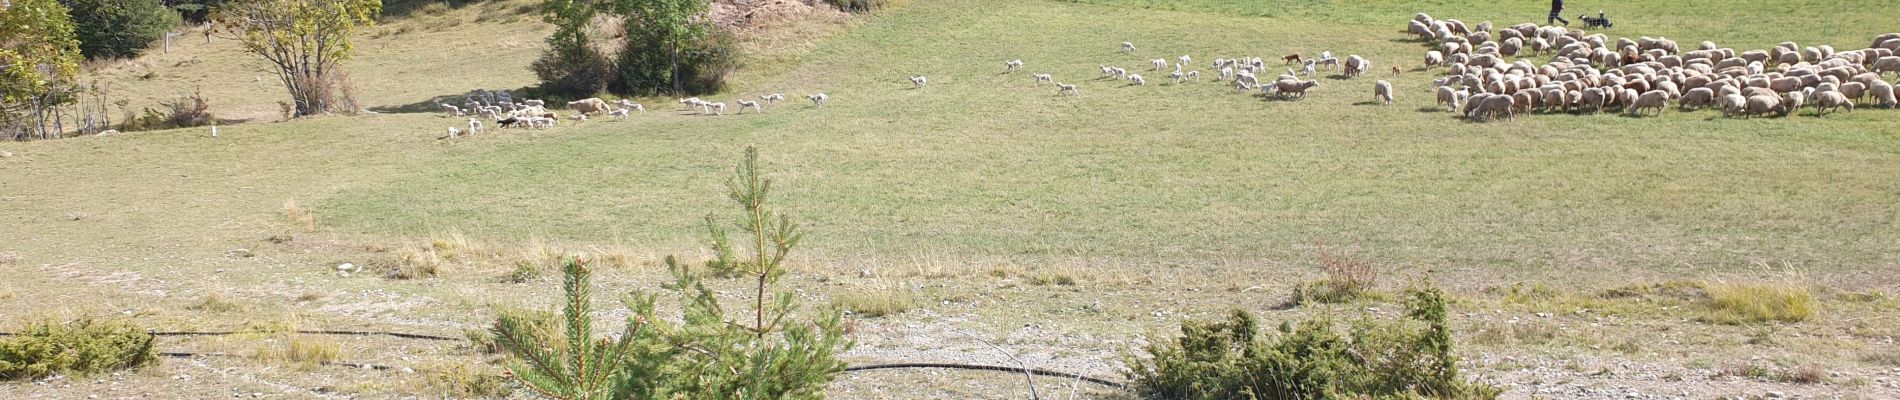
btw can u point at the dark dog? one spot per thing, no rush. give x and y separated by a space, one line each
1291 59
511 121
1599 22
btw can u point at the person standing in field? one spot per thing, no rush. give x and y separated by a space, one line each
1556 13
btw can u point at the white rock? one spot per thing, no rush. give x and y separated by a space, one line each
346 267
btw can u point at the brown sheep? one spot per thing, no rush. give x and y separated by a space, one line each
1496 107
1824 101
588 105
1295 87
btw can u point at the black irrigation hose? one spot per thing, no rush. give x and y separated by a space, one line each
1094 380
174 354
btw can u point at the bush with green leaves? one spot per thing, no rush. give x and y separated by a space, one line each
120 28
780 354
82 347
1310 360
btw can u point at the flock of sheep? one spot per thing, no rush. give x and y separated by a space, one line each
1591 73
1586 73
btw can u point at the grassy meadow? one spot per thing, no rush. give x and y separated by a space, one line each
983 204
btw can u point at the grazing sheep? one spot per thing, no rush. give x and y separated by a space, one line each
1117 72
1446 96
1433 58
1494 107
1330 63
1295 87
818 100
1069 89
454 132
1185 60
475 126
1159 63
1654 99
1732 104
1762 105
1135 79
1382 91
1012 65
919 81
743 103
1126 46
1882 94
619 114
1226 73
1854 90
1697 98
1824 101
1194 75
1356 66
1043 77
1791 102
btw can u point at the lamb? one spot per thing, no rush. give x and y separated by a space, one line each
1791 102
1065 88
1194 75
1824 101
818 100
454 132
1732 104
629 104
743 103
771 98
1043 77
1177 76
1226 73
919 81
475 126
717 108
1312 67
534 103
1126 46
1012 65
453 111
1382 91
619 114
692 102
1295 87
1159 63
1185 60
1330 63
1135 79
1655 99
588 105
579 118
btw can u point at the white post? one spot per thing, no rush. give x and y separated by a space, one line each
214 131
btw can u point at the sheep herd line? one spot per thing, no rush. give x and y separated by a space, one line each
1586 73
1589 73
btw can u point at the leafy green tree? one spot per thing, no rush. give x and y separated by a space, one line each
304 40
572 66
667 42
120 28
707 355
39 53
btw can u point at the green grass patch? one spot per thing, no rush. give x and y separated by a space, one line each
82 347
875 303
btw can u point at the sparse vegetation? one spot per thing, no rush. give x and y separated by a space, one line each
875 303
82 347
1735 304
301 352
1346 280
214 303
1806 374
1310 359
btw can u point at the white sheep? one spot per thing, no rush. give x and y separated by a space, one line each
1791 102
534 103
1882 94
579 118
773 98
1012 65
1655 99
1177 76
1185 59
1135 79
1824 101
1043 77
1065 88
1433 58
1312 67
1159 63
1382 91
818 99
919 81
1356 66
475 126
454 132
1126 46
452 111
743 103
1194 75
1226 73
717 108
619 114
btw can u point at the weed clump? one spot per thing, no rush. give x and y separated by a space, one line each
1310 360
1347 280
1736 304
80 347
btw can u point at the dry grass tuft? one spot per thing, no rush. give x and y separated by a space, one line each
416 262
1886 357
876 303
1736 304
1347 279
216 304
297 215
465 381
301 352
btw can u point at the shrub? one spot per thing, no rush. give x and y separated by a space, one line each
1735 304
80 347
1309 360
112 28
706 355
1347 279
190 110
573 74
860 5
